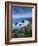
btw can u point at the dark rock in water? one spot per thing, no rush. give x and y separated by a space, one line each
16 23
20 24
22 21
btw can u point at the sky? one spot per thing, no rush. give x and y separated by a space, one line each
20 12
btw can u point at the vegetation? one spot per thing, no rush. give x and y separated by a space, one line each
25 31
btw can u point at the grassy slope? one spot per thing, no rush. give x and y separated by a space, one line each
25 31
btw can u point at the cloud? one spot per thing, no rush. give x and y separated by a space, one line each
26 15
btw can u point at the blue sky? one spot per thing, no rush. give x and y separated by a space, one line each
20 12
